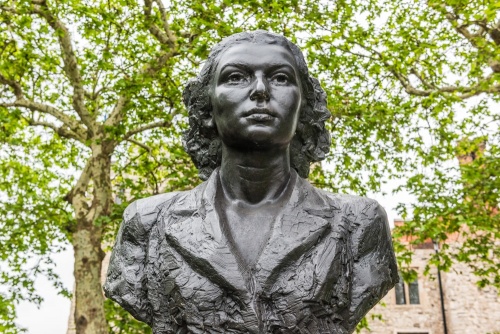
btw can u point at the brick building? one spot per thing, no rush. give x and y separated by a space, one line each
416 308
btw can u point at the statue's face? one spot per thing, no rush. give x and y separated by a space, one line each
256 96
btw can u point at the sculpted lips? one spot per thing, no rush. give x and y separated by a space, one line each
260 114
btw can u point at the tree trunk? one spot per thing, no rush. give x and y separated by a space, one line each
89 301
87 238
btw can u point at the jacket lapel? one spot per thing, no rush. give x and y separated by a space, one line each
305 220
192 228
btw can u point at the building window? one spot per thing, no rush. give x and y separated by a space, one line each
400 292
413 291
402 296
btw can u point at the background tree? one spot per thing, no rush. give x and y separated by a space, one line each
429 71
90 111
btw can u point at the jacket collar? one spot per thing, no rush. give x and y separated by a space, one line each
193 229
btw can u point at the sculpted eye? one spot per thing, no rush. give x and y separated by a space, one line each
280 79
236 78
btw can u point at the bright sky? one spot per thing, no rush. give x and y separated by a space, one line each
52 317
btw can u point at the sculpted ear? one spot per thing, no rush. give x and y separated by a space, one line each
209 122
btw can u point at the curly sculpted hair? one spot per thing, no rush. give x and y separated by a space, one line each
311 141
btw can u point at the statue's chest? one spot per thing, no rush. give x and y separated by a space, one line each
249 232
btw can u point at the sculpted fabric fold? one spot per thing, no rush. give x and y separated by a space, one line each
328 261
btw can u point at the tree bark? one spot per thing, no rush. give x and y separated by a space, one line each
89 299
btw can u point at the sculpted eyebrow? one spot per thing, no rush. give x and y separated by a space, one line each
239 65
245 66
280 66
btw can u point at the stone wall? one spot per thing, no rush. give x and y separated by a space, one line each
469 310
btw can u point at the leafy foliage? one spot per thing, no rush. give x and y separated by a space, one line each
91 115
8 316
121 322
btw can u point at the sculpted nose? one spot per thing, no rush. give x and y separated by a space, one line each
260 90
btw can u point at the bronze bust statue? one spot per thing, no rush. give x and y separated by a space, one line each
255 248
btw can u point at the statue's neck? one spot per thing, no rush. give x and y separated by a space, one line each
258 176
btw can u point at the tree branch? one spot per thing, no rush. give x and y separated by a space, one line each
76 129
352 52
150 70
61 131
160 124
155 180
462 30
81 185
70 62
495 33
121 169
165 37
464 92
421 78
118 110
18 91
144 146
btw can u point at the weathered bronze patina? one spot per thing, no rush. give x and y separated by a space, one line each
255 248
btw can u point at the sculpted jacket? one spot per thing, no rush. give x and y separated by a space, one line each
328 261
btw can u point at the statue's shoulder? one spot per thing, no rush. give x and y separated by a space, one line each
374 263
353 205
124 283
367 220
143 212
